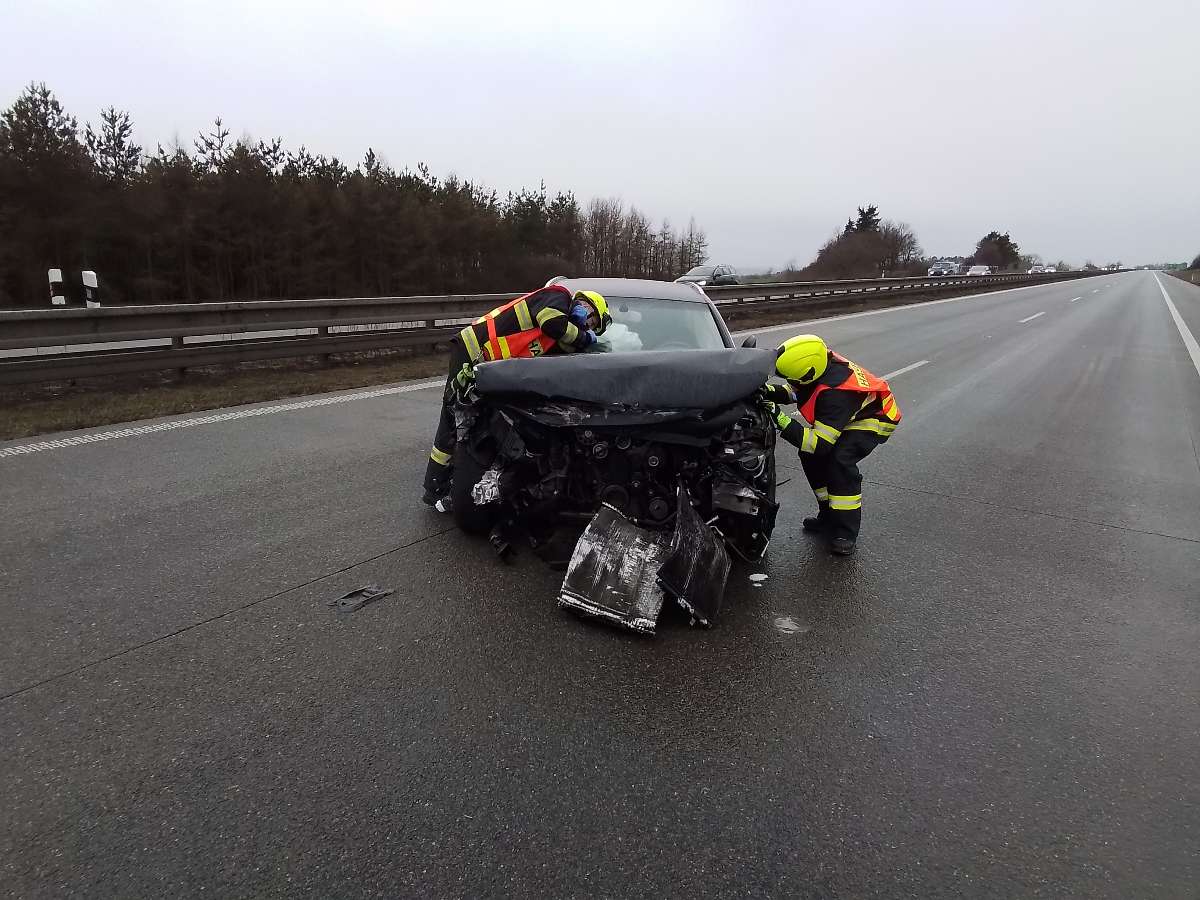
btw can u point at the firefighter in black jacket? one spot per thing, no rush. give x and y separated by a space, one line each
548 320
852 412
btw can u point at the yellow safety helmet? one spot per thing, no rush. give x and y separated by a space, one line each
600 305
802 359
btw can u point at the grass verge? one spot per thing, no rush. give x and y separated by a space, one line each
61 406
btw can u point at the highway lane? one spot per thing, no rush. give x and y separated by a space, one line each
995 698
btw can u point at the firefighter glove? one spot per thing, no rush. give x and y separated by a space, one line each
464 377
776 393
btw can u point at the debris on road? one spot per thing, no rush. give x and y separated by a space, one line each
359 598
788 625
623 573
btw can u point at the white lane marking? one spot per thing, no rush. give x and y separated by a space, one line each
136 430
880 312
1096 291
1189 341
1031 318
890 375
1073 299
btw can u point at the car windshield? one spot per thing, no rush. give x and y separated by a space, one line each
701 270
642 323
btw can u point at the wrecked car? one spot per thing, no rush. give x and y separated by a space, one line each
640 466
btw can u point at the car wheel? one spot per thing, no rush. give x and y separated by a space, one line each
467 472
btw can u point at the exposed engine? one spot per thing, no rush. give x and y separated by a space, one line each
527 475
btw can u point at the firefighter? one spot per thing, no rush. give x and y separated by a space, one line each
851 413
547 321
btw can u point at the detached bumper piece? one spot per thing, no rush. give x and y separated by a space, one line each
698 567
613 573
622 573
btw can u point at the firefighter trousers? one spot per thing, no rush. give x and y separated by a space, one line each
440 468
837 483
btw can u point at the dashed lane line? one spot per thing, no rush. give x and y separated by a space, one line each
94 437
879 312
1189 339
890 375
1031 318
1073 299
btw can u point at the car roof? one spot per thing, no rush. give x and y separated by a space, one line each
634 287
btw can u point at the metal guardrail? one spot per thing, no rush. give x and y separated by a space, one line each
225 333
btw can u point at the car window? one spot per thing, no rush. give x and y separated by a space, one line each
701 270
642 323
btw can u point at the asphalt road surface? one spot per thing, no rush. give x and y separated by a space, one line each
999 696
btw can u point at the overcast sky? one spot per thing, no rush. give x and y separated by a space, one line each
1072 125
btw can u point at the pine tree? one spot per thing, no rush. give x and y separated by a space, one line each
112 150
868 220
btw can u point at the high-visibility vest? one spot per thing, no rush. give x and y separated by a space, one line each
530 341
861 381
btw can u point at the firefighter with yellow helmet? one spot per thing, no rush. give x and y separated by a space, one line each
550 320
851 413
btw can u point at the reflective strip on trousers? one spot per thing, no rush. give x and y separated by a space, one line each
822 494
441 457
845 502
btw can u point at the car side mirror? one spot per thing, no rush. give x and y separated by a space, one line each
750 342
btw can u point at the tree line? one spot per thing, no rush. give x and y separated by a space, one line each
243 219
868 246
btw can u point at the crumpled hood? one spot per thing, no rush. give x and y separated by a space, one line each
656 379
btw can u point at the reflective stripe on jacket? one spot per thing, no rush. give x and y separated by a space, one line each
533 324
863 382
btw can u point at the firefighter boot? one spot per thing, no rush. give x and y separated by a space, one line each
841 546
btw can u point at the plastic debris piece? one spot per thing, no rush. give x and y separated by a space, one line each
758 578
788 625
359 598
695 571
612 573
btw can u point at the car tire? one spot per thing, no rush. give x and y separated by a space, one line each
467 472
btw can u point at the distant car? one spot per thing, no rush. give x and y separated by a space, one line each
703 275
1049 269
1037 270
943 268
979 270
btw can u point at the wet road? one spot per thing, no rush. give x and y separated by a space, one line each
998 697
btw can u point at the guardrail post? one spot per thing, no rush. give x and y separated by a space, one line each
91 289
58 296
323 332
177 344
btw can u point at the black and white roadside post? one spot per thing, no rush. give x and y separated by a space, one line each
58 296
91 289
